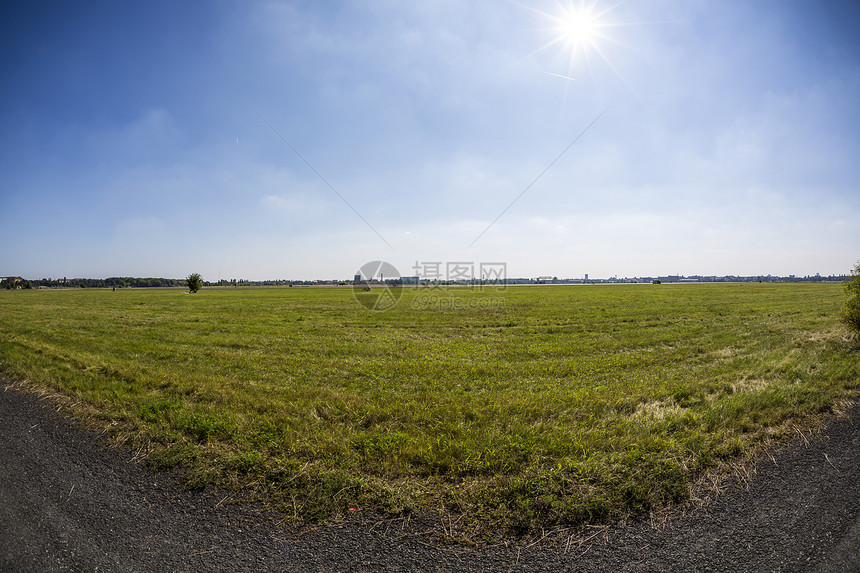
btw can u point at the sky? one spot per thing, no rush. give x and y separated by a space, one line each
301 139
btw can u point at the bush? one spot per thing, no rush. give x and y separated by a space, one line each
851 311
194 282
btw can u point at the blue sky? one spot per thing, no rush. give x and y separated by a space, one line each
153 138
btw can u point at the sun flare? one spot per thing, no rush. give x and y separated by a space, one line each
578 28
580 32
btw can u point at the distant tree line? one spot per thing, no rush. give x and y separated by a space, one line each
110 282
143 282
135 282
10 283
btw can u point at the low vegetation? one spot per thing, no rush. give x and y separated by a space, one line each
851 310
193 282
539 407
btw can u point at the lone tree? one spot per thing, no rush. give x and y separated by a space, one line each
194 282
851 311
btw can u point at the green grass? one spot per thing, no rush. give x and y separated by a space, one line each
555 406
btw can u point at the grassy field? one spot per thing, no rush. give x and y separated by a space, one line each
523 409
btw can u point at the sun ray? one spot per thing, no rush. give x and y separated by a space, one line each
579 32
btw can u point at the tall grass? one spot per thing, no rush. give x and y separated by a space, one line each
563 405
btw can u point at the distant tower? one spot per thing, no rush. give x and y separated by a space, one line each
586 276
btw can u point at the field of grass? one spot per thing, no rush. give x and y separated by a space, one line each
522 409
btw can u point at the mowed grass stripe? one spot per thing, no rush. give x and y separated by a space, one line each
565 404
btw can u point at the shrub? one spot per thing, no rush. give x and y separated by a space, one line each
851 310
194 282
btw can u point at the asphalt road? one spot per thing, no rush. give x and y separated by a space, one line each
69 503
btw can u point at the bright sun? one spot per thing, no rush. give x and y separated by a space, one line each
578 27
